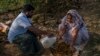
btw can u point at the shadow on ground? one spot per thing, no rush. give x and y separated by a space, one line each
92 48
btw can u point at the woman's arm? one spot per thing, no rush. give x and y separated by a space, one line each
74 35
61 32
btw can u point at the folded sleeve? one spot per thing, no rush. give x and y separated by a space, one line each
23 22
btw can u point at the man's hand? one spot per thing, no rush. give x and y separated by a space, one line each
37 31
44 32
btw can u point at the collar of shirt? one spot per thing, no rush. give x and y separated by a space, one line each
29 19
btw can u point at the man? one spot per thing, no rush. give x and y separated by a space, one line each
24 34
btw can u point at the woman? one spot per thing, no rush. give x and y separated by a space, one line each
73 31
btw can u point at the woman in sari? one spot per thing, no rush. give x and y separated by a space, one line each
73 31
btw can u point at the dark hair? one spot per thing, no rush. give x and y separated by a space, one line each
69 14
27 7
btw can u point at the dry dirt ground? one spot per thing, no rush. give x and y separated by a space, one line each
92 48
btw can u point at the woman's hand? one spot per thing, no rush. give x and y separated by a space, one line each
72 48
59 37
61 32
45 33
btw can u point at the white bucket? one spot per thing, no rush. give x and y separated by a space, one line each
48 41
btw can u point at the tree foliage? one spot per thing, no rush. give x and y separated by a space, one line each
48 6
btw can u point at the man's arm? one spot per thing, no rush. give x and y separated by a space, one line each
36 30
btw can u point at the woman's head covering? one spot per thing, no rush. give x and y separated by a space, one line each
75 16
